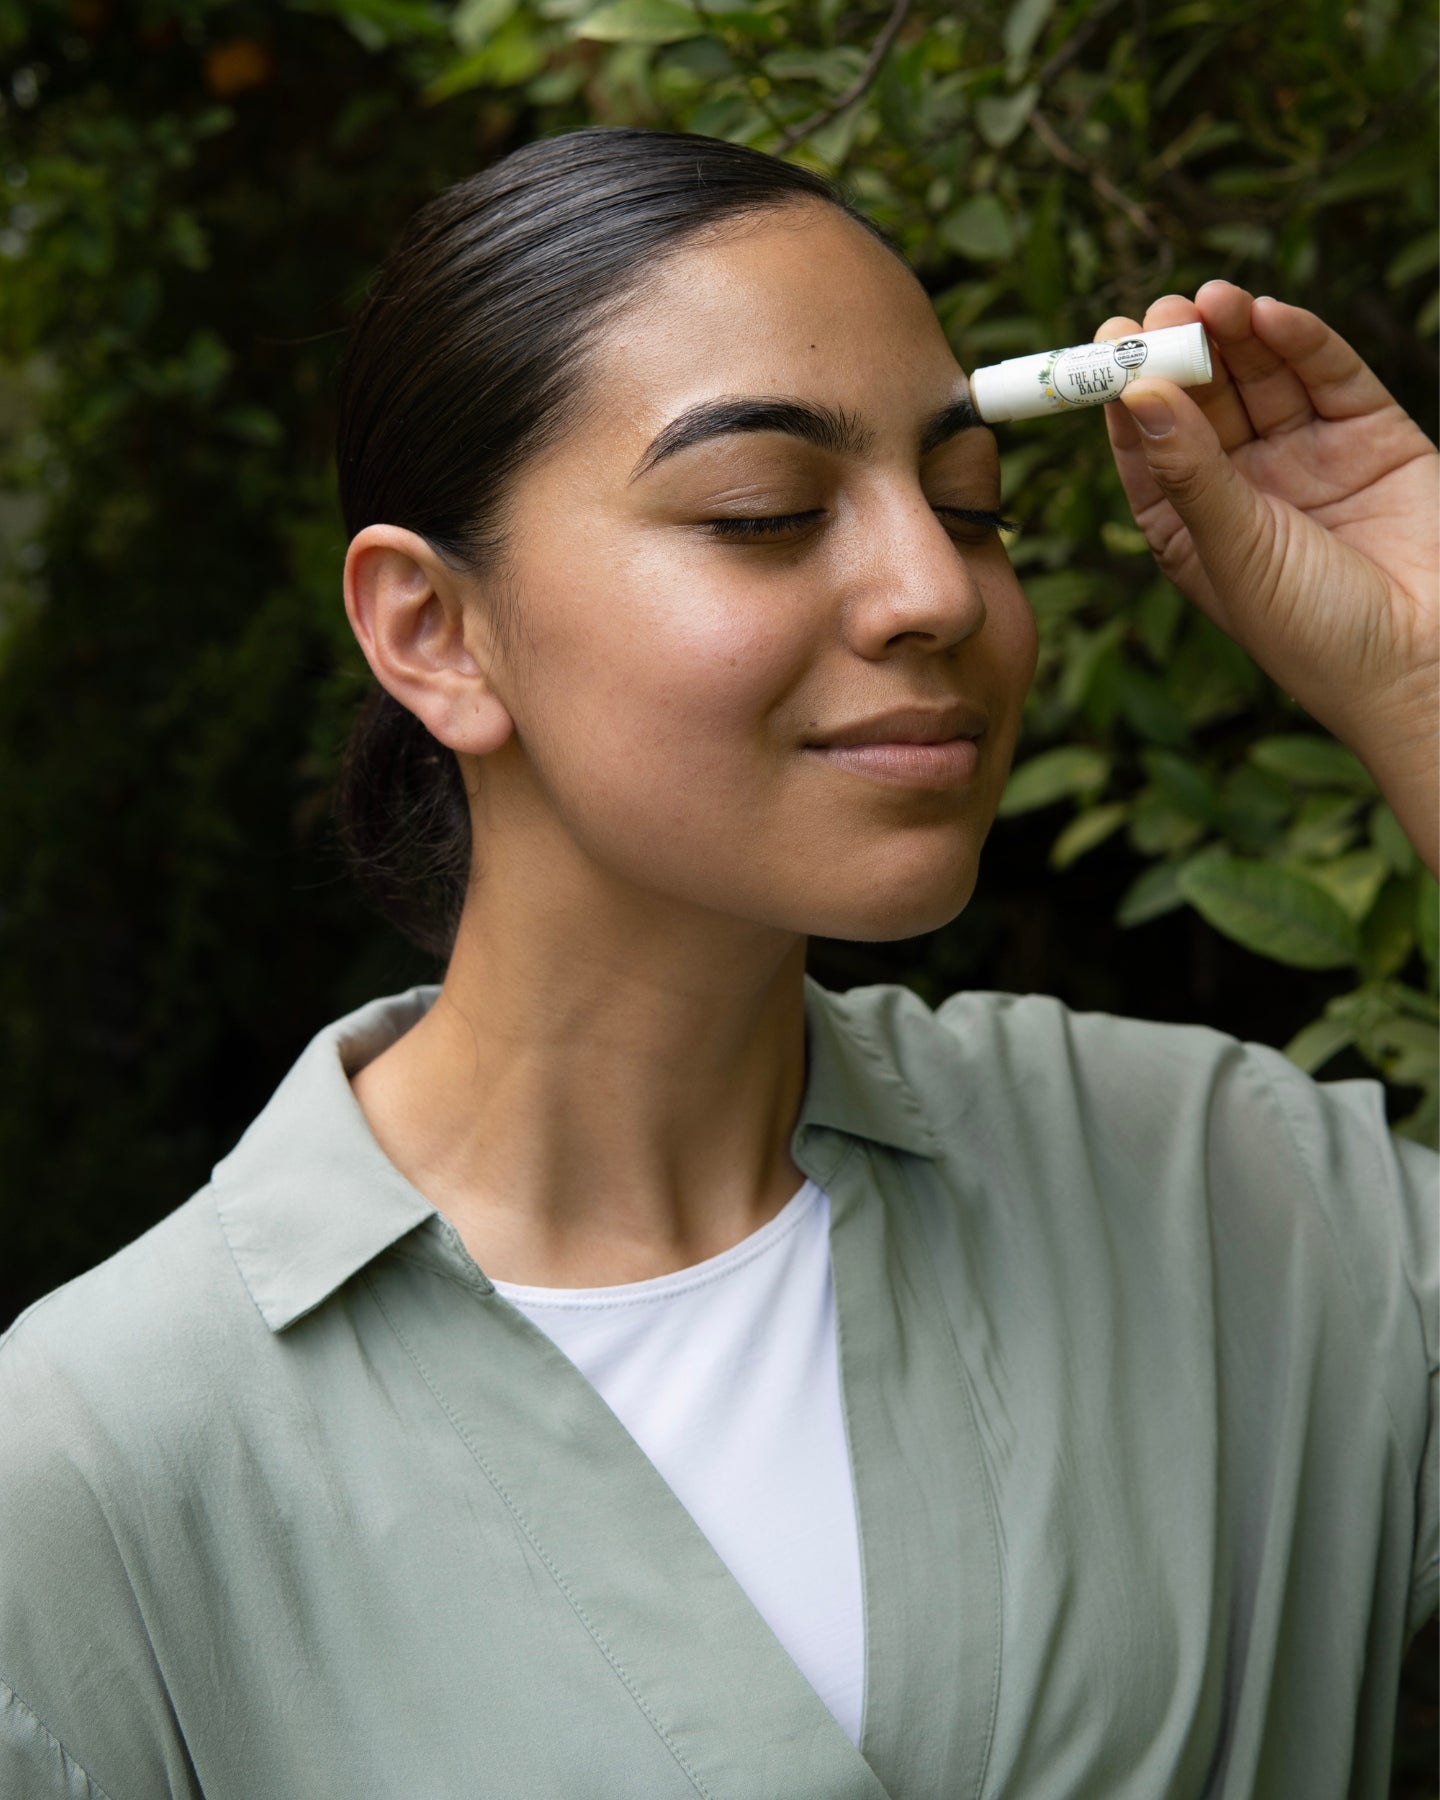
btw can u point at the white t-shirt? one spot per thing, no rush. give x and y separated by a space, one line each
726 1374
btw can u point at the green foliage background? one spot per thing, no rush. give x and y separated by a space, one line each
193 196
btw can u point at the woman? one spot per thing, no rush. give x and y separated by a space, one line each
627 1369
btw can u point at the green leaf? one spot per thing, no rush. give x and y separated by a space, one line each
1417 258
832 143
1148 708
1085 831
1312 762
1156 614
253 424
979 229
1085 653
834 70
1209 674
1388 838
1324 825
1271 910
556 86
1183 784
1016 468
1410 1052
960 305
1023 25
1199 137
474 22
1046 279
1056 596
1122 539
1314 1044
1427 919
1382 169
1387 936
1255 804
1422 1125
1150 895
1240 239
1157 829
641 22
1051 776
512 55
1000 118
1355 880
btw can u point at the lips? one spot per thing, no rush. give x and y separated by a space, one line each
926 747
908 725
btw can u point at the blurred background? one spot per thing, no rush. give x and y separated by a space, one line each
194 195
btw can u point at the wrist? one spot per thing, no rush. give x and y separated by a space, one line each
1399 744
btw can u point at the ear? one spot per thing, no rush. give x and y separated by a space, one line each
406 608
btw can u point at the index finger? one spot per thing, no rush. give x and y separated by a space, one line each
1338 383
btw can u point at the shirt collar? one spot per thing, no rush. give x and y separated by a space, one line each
307 1197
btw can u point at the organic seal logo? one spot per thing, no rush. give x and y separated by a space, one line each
1130 353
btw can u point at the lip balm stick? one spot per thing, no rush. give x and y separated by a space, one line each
1029 387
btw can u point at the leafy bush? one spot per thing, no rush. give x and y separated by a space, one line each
179 194
193 195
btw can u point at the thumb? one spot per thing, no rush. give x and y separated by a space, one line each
1231 529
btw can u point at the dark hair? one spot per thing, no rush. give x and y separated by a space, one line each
467 359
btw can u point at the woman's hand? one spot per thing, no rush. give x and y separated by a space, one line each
1295 502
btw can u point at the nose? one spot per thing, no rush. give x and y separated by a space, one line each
916 584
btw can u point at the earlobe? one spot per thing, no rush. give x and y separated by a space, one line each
409 620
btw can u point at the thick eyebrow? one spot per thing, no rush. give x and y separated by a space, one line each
841 433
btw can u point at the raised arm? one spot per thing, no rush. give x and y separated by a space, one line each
1295 502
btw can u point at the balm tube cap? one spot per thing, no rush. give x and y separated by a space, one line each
1029 387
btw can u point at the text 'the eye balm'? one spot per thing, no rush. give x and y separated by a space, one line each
1029 387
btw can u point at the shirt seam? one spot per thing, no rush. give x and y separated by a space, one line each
74 1761
524 1525
917 1213
851 1148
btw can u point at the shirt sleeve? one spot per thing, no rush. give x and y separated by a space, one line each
85 1711
34 1764
1380 1194
1265 1136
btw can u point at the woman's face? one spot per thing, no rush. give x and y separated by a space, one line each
672 690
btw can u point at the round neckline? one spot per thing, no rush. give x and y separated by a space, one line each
658 1287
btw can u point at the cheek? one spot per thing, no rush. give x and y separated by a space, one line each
666 705
1011 644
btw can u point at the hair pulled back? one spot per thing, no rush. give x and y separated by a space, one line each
469 358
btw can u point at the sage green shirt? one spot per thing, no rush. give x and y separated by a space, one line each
1137 1331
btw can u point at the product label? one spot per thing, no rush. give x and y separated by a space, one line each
1091 373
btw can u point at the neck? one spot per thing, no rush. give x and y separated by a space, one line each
601 1092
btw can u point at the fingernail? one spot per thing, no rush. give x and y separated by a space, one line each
1151 414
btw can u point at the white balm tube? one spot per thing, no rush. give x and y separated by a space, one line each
1029 387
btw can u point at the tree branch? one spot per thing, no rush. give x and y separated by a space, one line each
1098 179
859 86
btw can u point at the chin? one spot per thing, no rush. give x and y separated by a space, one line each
881 917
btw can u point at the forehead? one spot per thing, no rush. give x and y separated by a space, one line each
804 303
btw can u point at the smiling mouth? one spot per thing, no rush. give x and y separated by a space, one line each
950 763
909 725
935 747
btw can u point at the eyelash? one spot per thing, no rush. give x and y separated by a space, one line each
774 525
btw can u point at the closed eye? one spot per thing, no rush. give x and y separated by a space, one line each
779 524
